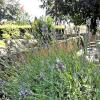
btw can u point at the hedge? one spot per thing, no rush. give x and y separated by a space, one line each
14 26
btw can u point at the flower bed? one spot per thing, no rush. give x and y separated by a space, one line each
57 76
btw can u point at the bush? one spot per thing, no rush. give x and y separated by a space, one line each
14 30
28 36
2 44
15 34
11 33
41 24
6 36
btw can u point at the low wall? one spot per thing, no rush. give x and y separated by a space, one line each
16 45
67 46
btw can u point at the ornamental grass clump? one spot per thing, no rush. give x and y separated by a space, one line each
43 78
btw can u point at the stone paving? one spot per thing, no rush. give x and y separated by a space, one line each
92 53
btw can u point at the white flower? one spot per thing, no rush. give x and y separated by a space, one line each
80 53
59 64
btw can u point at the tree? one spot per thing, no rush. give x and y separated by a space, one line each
42 28
1 2
24 18
9 9
77 10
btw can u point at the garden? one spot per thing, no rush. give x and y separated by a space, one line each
54 57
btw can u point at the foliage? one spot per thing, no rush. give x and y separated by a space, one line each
2 44
10 10
11 33
1 2
24 18
49 21
40 78
14 26
15 31
28 36
15 34
42 28
6 36
77 10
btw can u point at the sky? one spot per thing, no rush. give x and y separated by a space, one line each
32 7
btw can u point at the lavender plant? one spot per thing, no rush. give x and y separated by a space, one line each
59 76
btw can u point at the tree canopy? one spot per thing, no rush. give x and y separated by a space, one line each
9 9
1 2
77 10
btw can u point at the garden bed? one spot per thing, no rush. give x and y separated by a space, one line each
59 75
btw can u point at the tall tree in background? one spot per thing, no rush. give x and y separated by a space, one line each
9 9
1 2
77 10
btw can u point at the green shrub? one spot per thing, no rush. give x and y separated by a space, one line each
13 26
15 34
6 36
42 29
2 44
28 36
14 31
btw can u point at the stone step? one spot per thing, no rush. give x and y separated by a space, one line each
92 46
92 42
98 40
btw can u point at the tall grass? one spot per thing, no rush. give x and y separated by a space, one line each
39 78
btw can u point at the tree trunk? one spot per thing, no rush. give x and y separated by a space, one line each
93 38
93 26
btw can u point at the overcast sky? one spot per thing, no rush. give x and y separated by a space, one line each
32 7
